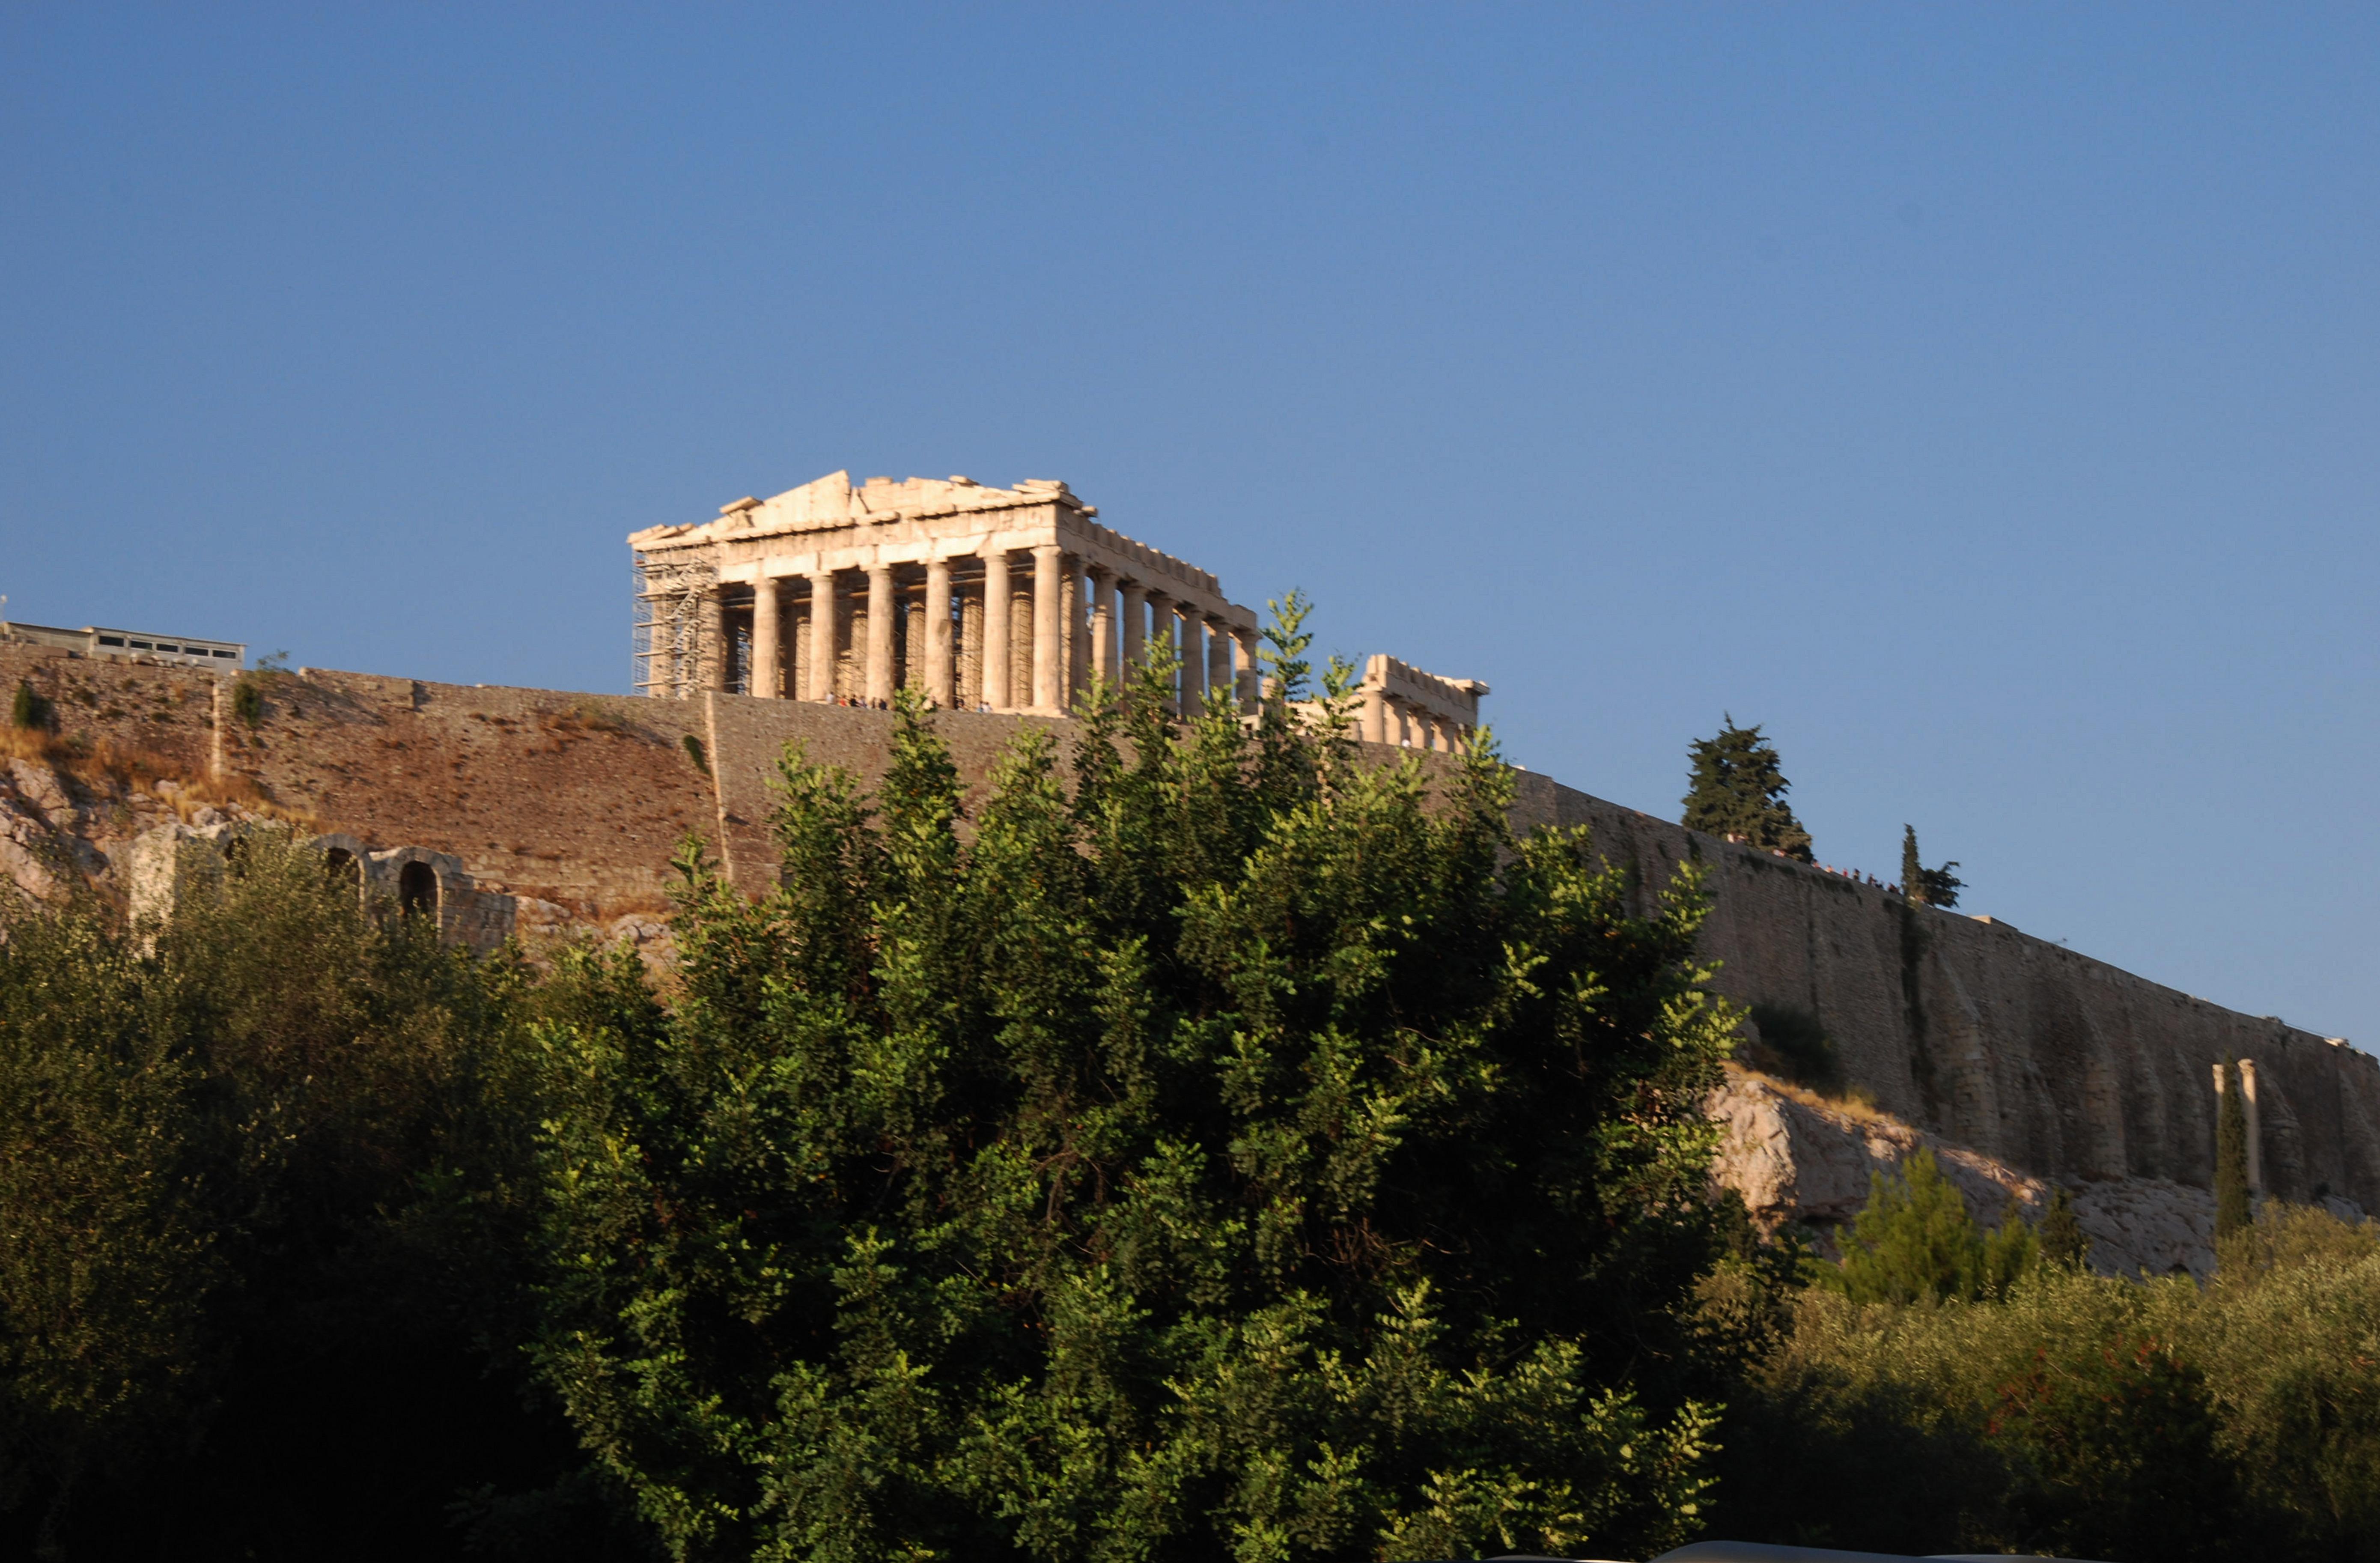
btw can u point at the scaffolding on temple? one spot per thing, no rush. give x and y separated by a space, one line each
674 599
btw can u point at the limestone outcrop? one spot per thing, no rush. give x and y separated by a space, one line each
1797 1156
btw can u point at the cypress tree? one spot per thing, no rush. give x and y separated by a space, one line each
2062 1240
2232 1211
1737 788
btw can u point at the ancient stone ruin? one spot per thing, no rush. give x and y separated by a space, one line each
980 598
165 865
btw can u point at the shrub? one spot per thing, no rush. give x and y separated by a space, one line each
1915 1242
1235 1155
32 709
260 1279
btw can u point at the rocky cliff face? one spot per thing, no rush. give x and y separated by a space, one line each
1796 1156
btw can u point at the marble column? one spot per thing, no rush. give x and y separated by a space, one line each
1078 632
1248 674
1103 623
942 687
1219 658
823 626
1048 631
1190 681
1161 636
1373 726
880 632
1134 600
997 613
714 640
768 662
1191 640
970 657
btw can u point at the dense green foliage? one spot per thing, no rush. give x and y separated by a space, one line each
1199 1148
1914 1242
2081 1415
266 1193
1231 1155
248 698
1929 887
1737 788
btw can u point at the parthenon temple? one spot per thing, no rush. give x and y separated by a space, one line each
980 598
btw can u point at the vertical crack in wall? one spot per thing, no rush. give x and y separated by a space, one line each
1921 1055
718 783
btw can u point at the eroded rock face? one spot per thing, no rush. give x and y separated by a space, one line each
1796 1156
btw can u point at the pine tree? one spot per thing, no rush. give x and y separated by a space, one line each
2232 1210
1928 886
1736 788
1915 1242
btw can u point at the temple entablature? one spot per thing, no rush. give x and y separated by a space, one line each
1001 599
1401 704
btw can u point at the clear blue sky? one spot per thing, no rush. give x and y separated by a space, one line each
1983 399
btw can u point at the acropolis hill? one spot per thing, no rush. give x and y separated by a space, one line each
791 619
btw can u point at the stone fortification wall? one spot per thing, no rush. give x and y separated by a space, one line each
575 798
2049 1061
2042 1058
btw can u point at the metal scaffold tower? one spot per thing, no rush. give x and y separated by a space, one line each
668 637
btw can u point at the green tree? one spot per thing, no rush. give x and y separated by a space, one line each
1915 1242
2287 1333
1737 788
1929 887
2062 1240
2073 1417
2233 1210
265 1173
1238 1154
30 708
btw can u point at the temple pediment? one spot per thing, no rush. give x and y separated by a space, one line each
834 503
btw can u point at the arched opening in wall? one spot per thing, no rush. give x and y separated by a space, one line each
341 868
417 890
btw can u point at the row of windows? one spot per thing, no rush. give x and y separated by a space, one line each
224 651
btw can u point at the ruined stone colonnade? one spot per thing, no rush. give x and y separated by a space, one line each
988 598
1008 599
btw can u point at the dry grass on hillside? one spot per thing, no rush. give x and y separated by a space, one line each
1855 1102
105 764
